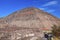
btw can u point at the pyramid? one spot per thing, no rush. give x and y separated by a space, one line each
31 21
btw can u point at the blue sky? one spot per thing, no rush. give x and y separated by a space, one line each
9 6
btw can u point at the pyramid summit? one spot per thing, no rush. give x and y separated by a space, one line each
26 21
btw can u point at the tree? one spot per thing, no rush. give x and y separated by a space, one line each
56 31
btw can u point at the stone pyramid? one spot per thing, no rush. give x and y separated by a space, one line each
28 22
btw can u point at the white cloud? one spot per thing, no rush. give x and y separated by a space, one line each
50 11
42 8
50 3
